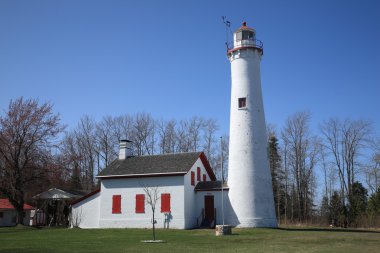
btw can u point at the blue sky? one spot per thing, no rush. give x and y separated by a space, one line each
168 57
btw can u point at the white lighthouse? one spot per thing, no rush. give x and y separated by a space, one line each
249 178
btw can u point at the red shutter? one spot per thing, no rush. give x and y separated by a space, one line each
198 174
165 202
140 203
116 204
192 178
204 178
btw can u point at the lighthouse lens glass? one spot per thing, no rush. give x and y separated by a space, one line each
247 35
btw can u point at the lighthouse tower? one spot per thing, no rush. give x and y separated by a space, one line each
249 178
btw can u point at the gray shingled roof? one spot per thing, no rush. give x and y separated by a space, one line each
152 164
210 186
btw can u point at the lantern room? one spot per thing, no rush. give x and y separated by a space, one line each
245 37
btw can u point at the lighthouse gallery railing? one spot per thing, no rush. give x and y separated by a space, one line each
245 43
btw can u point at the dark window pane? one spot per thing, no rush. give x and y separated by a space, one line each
247 35
242 103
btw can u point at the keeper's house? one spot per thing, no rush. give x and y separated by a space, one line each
188 192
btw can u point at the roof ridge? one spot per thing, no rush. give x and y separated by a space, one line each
168 154
153 164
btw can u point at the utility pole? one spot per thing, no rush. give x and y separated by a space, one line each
221 164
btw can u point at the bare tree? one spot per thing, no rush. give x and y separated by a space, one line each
28 133
372 173
210 127
71 159
167 136
86 139
107 144
372 169
94 144
325 170
222 153
183 143
144 134
122 127
195 128
302 152
152 198
376 145
345 139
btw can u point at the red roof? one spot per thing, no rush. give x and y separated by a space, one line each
5 204
245 27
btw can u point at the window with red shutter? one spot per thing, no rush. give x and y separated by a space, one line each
165 202
116 204
192 178
204 178
140 203
198 174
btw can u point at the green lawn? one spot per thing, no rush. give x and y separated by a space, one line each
243 240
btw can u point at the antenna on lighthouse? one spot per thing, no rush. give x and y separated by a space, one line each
227 24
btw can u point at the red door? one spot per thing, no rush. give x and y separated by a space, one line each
209 208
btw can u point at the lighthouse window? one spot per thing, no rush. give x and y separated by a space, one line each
247 35
242 102
238 36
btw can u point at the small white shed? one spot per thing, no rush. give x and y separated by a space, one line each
8 214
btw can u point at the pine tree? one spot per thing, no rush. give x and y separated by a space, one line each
337 210
357 202
277 175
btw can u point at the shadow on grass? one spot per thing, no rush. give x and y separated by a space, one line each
346 230
15 229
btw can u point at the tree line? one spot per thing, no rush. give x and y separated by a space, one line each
338 155
38 152
93 145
